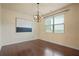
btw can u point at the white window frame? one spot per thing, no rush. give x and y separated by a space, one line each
53 25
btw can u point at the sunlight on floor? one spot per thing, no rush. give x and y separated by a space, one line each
49 52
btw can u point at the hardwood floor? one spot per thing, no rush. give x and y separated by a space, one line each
37 48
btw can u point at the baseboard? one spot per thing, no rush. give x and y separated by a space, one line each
17 42
43 40
60 44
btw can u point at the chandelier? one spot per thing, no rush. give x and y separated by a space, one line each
37 17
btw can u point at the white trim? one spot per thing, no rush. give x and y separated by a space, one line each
62 44
43 40
17 42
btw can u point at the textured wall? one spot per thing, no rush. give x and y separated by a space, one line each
9 35
71 36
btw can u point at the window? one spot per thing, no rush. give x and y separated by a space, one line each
55 23
59 23
49 24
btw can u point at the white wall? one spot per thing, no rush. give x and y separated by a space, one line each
9 35
0 26
71 36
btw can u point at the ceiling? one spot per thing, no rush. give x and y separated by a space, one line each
30 8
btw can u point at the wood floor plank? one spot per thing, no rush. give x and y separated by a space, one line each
37 48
